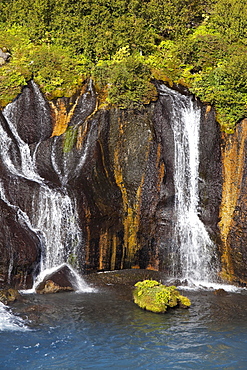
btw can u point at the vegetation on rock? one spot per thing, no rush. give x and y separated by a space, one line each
153 296
9 295
124 44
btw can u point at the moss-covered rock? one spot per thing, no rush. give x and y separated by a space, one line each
153 296
9 295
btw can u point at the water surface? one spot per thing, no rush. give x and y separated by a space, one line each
106 330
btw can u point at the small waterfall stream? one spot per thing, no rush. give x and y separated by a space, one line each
192 249
54 215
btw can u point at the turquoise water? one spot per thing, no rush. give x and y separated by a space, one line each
106 330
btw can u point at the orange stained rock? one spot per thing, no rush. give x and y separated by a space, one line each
107 250
131 213
152 268
131 208
233 158
60 116
160 168
113 252
103 245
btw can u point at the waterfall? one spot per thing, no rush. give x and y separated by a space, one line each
53 216
192 250
56 217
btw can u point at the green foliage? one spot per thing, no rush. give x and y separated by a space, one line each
155 297
123 44
55 68
175 18
73 260
229 18
225 86
128 80
215 70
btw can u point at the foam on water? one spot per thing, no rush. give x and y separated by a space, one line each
10 322
197 285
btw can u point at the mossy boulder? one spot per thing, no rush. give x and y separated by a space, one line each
9 295
156 297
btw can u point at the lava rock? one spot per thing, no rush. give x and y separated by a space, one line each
220 292
9 295
60 280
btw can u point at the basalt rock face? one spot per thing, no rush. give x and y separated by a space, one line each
115 167
234 205
210 173
59 281
19 248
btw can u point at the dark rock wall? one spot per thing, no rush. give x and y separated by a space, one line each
233 209
210 172
118 164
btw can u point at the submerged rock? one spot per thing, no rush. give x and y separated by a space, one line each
60 280
153 296
220 292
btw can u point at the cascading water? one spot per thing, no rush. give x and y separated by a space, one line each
192 250
54 215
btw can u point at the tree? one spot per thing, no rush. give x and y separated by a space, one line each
229 17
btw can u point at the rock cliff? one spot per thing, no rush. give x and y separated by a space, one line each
234 206
117 166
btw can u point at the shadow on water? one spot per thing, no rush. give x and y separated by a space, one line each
107 330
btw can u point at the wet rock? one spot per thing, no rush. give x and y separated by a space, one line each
31 115
220 292
9 295
126 277
19 248
58 281
118 166
51 287
233 212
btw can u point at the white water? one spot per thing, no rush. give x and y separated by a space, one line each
54 216
77 281
10 322
192 250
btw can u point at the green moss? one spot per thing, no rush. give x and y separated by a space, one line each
184 301
73 260
70 137
153 296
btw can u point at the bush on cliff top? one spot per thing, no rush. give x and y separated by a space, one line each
153 296
124 44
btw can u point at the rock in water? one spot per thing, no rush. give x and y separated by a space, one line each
9 295
60 280
156 297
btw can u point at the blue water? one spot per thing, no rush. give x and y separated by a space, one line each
106 330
